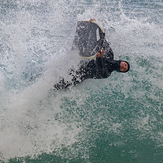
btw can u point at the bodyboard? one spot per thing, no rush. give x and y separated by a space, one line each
88 39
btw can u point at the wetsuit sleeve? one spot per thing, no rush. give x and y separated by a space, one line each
102 66
99 68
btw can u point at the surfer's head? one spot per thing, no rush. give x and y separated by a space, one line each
119 66
124 66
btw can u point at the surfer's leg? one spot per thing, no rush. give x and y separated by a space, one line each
62 84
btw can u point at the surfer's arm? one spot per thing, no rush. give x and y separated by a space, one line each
108 51
99 64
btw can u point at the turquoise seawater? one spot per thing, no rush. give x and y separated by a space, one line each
114 120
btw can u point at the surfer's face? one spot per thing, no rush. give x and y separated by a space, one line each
123 66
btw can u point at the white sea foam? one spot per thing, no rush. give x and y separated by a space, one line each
34 119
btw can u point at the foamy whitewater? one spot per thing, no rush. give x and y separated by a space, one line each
119 119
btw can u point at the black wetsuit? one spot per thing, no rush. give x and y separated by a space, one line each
95 69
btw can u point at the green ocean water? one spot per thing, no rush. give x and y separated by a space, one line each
114 120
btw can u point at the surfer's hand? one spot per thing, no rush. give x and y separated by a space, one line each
92 20
98 55
102 52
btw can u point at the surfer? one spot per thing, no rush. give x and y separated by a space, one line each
100 67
